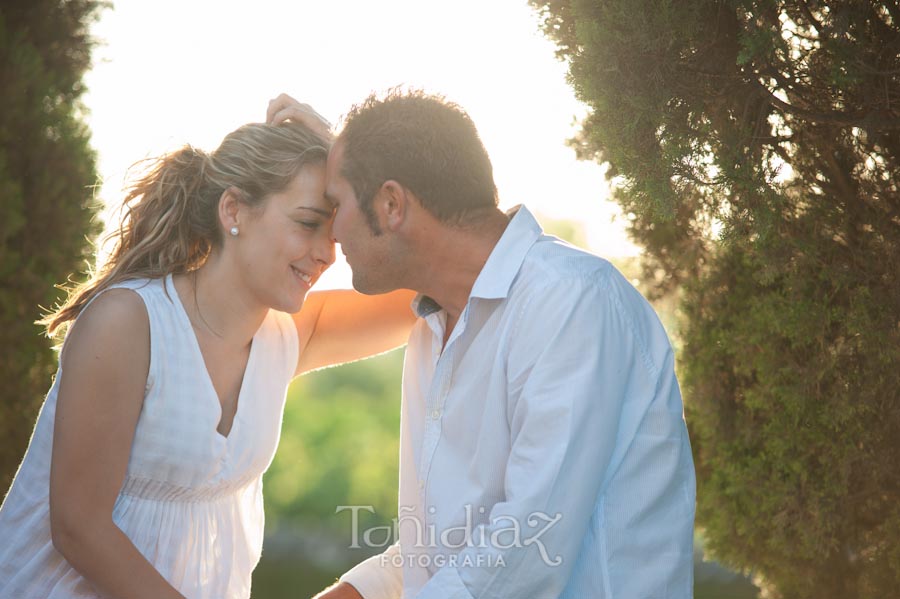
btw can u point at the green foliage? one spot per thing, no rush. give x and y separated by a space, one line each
756 144
47 169
570 231
280 577
339 446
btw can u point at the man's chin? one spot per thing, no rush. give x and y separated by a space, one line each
369 287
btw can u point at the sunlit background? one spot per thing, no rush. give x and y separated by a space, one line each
171 72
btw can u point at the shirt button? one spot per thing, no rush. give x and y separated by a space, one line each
421 484
435 414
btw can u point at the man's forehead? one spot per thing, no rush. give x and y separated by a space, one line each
331 187
333 177
335 159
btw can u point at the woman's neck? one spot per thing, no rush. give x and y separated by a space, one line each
219 304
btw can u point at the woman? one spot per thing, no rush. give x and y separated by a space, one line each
143 476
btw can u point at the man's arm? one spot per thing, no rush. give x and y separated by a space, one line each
339 590
573 367
379 577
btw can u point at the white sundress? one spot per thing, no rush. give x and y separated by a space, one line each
191 501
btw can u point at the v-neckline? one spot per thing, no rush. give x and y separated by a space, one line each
186 322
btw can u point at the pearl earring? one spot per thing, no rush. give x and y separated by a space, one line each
234 231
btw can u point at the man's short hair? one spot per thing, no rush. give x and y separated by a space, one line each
423 142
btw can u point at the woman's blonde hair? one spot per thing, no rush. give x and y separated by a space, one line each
169 217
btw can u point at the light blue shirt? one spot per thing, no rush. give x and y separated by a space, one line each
543 451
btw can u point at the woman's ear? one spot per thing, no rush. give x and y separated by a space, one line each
230 210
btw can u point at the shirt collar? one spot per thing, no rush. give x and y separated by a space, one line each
503 264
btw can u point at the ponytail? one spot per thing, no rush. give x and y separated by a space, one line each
165 228
169 222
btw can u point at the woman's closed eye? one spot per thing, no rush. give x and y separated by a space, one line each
310 225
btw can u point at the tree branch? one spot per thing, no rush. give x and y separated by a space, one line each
844 119
812 19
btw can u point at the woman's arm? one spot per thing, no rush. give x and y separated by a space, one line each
104 368
341 325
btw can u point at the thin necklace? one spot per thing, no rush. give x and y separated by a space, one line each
197 307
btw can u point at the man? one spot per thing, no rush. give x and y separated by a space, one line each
543 450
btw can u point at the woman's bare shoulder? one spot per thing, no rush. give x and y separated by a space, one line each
115 317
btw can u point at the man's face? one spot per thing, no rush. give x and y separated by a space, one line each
365 252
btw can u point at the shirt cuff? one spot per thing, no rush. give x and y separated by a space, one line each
445 584
377 577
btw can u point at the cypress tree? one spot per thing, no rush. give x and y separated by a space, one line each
47 170
755 146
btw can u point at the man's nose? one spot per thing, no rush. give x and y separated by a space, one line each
333 231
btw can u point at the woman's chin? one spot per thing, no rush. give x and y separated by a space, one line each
291 304
298 303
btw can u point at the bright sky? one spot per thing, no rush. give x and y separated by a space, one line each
171 72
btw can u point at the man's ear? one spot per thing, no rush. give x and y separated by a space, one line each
392 204
231 208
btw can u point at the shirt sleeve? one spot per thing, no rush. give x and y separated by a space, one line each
379 577
575 360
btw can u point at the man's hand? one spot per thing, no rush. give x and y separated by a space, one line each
285 108
341 590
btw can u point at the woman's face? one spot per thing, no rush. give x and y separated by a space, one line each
286 244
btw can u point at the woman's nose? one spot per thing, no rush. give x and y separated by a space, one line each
325 249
